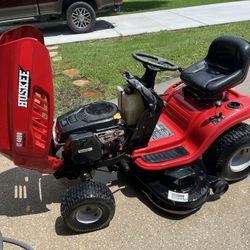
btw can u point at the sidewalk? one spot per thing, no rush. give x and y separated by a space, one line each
135 24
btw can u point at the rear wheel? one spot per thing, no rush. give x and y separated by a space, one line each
87 207
81 17
229 156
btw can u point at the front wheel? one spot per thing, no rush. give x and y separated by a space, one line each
87 207
81 17
229 156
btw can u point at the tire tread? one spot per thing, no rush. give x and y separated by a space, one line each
86 191
216 153
71 25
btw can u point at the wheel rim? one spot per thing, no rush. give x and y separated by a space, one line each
240 160
81 17
88 214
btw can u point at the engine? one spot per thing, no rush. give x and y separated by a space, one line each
90 133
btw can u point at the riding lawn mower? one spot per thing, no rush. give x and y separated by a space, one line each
181 147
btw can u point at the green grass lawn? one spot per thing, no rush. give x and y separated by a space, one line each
102 62
131 6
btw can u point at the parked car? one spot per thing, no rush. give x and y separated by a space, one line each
80 15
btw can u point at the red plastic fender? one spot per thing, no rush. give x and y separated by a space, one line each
191 126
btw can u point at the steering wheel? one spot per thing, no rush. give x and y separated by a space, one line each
159 63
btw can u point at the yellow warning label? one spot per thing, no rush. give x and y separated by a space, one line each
117 116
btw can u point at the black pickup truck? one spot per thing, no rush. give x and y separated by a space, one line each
80 14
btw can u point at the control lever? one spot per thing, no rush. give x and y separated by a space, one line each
217 117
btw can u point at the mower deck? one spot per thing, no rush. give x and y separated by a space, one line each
179 191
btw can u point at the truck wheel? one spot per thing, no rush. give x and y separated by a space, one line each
87 207
229 156
81 17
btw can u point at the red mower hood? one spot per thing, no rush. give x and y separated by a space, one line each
26 103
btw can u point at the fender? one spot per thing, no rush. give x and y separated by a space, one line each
191 127
96 4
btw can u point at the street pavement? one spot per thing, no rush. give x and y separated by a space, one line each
30 211
140 23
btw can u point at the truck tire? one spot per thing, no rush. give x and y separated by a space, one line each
81 17
87 207
229 156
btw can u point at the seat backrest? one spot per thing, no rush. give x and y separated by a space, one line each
229 54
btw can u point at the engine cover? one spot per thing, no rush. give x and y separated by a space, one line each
95 117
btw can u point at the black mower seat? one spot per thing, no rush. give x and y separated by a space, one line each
225 66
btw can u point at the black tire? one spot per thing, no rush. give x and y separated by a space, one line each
81 17
220 158
87 207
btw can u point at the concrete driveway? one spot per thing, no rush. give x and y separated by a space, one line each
30 211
